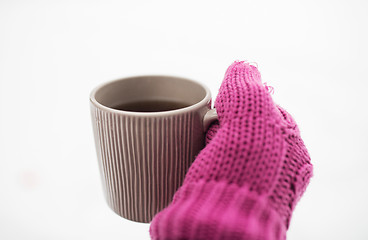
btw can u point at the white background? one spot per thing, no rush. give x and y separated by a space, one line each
52 53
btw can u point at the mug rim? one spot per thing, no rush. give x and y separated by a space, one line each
203 102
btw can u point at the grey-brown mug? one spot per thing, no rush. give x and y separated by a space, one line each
144 156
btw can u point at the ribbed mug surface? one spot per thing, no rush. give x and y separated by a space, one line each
143 157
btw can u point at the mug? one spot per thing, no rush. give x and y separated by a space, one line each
144 154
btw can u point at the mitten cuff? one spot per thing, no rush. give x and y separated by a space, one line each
217 210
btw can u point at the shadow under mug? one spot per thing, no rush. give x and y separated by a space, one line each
144 156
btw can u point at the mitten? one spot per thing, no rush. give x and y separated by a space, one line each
247 180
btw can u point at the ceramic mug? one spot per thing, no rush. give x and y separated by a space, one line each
144 156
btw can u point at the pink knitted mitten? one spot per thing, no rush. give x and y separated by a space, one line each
247 180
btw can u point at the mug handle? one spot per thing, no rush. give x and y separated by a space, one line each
208 118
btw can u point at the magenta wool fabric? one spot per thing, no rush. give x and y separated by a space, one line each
247 180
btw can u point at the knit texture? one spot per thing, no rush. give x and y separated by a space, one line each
247 180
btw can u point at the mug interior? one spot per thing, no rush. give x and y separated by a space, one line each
150 88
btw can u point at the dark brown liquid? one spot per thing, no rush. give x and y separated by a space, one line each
150 106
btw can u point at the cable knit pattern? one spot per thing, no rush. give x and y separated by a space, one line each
247 180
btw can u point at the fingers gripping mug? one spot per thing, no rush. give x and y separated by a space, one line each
148 130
